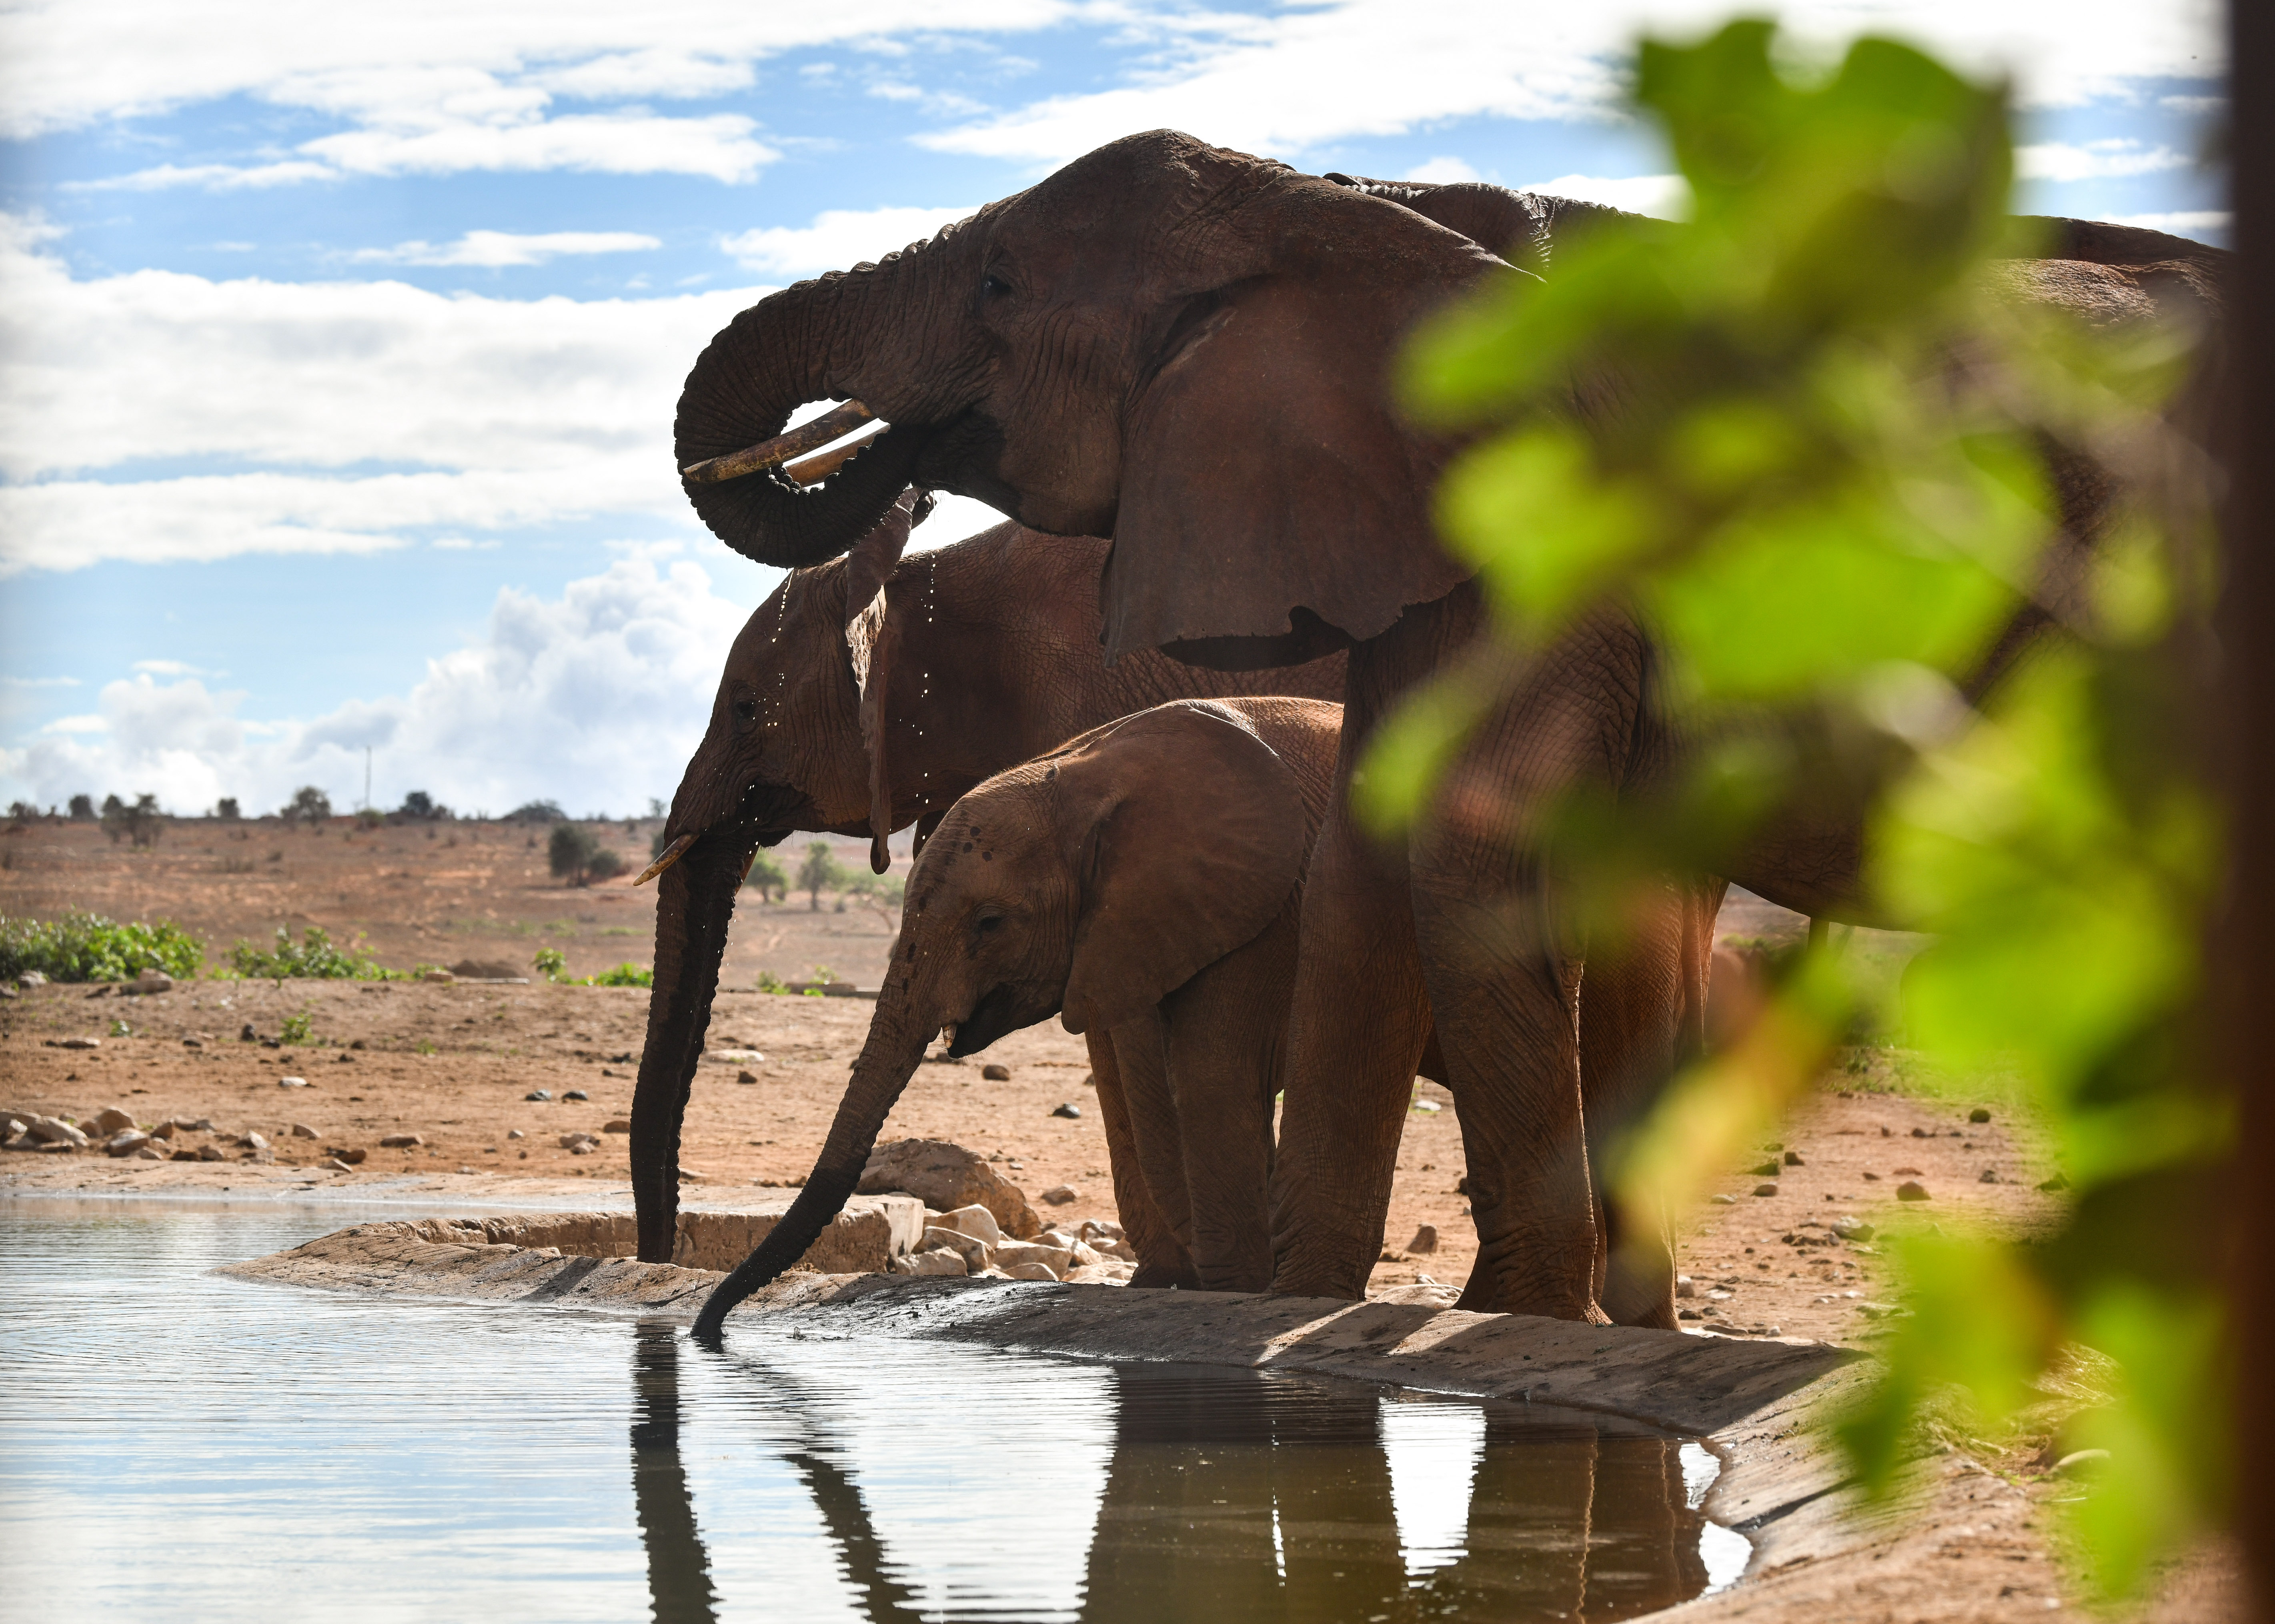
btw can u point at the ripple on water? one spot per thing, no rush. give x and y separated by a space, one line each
186 1446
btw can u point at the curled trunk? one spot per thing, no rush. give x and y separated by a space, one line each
887 1059
790 348
695 903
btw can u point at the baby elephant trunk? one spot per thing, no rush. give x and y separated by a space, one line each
888 1059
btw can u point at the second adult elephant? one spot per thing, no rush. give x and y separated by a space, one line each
1143 882
865 694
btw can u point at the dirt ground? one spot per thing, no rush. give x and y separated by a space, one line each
432 894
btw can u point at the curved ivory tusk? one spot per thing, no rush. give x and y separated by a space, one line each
671 854
814 469
805 437
947 1034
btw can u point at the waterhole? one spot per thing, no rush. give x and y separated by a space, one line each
183 1445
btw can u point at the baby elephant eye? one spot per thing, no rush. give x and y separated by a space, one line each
746 710
988 921
993 286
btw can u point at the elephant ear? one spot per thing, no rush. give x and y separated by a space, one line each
1186 836
1268 487
869 639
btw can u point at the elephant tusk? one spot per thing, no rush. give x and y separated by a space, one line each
947 1034
671 854
814 469
805 437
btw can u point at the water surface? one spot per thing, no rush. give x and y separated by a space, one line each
183 1445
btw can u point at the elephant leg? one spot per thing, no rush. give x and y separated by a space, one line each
1358 1025
1130 1068
1642 1018
1227 1027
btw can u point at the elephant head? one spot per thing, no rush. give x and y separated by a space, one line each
1089 883
1181 347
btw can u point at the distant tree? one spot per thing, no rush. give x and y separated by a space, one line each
606 862
23 812
139 823
420 807
225 809
657 809
82 809
308 805
570 854
537 812
767 877
819 871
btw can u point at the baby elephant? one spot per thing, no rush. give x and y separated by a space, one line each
1143 882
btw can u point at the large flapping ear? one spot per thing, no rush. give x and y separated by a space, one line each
1264 468
1187 836
867 641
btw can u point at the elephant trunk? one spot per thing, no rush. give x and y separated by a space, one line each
695 902
888 1059
805 343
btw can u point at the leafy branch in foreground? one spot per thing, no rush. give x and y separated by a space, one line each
1816 441
86 946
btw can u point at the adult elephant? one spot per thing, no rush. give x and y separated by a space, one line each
1189 349
865 694
1144 879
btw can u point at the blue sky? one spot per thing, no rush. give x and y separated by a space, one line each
340 351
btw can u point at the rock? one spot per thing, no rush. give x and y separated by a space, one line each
147 1153
357 1043
1919 1133
2060 1180
1058 1237
1085 1257
252 1140
1911 1191
1093 1229
575 1143
1029 1271
1793 1159
515 1133
301 1131
55 1130
111 1119
1066 1107
1721 1200
1014 1254
442 975
1990 1177
1424 1241
1880 1311
291 1081
974 1221
210 1152
970 1248
127 1142
246 1034
1685 1286
938 1260
945 1177
995 1073
576 1093
1106 1272
31 978
538 1093
617 1124
1852 1228
1767 1170
1871 1178
75 1043
863 1238
152 980
352 1158
1688 1313
734 1057
337 1166
1979 1114
203 1124
400 1141
746 1077
258 1154
194 1043
1062 1194
1766 1190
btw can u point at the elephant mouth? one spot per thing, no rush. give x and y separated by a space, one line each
1000 1010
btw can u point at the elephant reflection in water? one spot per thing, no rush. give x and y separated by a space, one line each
1232 1493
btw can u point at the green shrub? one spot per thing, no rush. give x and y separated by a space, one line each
552 963
766 876
300 1028
604 864
769 982
313 958
626 974
86 946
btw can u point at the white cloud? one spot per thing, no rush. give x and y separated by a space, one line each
39 682
212 176
1667 196
1298 77
2062 161
1442 172
501 248
169 667
596 698
719 146
838 238
2179 223
485 413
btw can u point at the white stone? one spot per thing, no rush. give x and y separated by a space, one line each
254 1141
55 1130
974 1221
1056 1236
1109 1272
1029 1271
938 1260
301 1131
1012 1255
111 1119
971 1249
127 1142
291 1081
1060 1195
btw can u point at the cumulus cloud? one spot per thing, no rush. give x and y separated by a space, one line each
1667 196
837 238
503 248
484 414
595 699
1442 172
2061 161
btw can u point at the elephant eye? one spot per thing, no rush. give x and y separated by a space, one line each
746 710
993 286
987 919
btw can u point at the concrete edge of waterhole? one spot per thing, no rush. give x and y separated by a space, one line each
1763 1404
